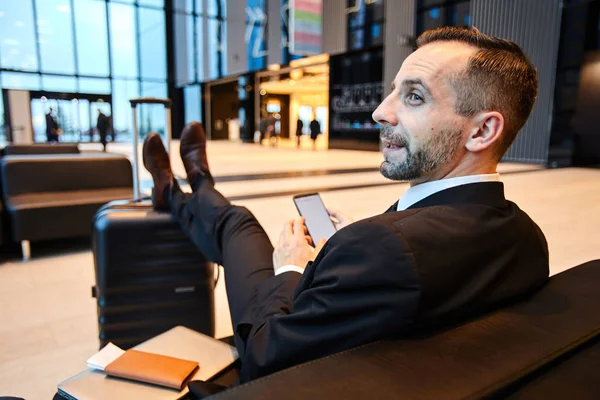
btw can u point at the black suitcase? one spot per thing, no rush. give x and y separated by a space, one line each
149 276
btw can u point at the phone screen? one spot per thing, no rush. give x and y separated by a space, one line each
318 222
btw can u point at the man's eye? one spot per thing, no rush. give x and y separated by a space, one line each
413 97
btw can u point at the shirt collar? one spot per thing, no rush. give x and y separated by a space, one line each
419 192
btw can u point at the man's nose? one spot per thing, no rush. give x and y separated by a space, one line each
385 114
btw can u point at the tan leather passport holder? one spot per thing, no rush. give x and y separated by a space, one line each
152 368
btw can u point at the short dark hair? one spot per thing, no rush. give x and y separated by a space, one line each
498 77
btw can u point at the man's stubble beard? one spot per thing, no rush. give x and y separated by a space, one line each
439 150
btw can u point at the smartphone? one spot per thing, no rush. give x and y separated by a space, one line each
319 224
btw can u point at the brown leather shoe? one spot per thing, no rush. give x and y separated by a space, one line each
156 160
192 149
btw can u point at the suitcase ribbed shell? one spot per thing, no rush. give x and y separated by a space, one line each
149 275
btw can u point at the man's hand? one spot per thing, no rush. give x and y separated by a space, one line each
295 246
339 220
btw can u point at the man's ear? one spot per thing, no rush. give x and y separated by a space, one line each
486 130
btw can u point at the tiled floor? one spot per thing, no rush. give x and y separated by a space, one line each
47 316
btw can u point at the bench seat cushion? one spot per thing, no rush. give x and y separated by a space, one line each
41 216
67 198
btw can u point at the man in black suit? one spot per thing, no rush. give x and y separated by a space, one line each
102 126
450 248
52 127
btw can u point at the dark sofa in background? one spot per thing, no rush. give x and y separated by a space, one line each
29 149
56 196
40 148
545 347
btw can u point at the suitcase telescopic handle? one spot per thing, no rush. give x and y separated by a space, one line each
167 103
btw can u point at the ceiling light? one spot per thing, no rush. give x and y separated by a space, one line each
292 82
263 92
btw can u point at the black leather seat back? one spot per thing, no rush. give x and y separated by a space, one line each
64 172
40 148
478 359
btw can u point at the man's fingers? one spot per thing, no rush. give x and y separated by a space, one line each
288 228
334 213
299 227
309 240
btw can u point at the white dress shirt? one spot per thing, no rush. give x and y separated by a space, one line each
417 193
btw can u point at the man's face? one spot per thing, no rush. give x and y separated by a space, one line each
423 137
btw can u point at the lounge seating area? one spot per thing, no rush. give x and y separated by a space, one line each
54 330
55 196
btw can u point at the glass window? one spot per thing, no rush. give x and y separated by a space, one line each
39 109
1 112
123 40
55 31
214 46
18 80
84 118
433 18
2 127
123 91
376 35
184 49
184 6
200 6
53 83
152 3
66 113
460 15
91 37
17 39
94 85
193 107
357 39
154 89
152 117
200 50
153 45
212 8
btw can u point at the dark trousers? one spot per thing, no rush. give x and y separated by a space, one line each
229 236
103 135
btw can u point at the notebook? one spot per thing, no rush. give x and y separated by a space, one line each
180 342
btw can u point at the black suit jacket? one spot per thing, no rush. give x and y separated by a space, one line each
456 253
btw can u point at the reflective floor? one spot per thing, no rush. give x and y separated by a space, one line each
47 314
